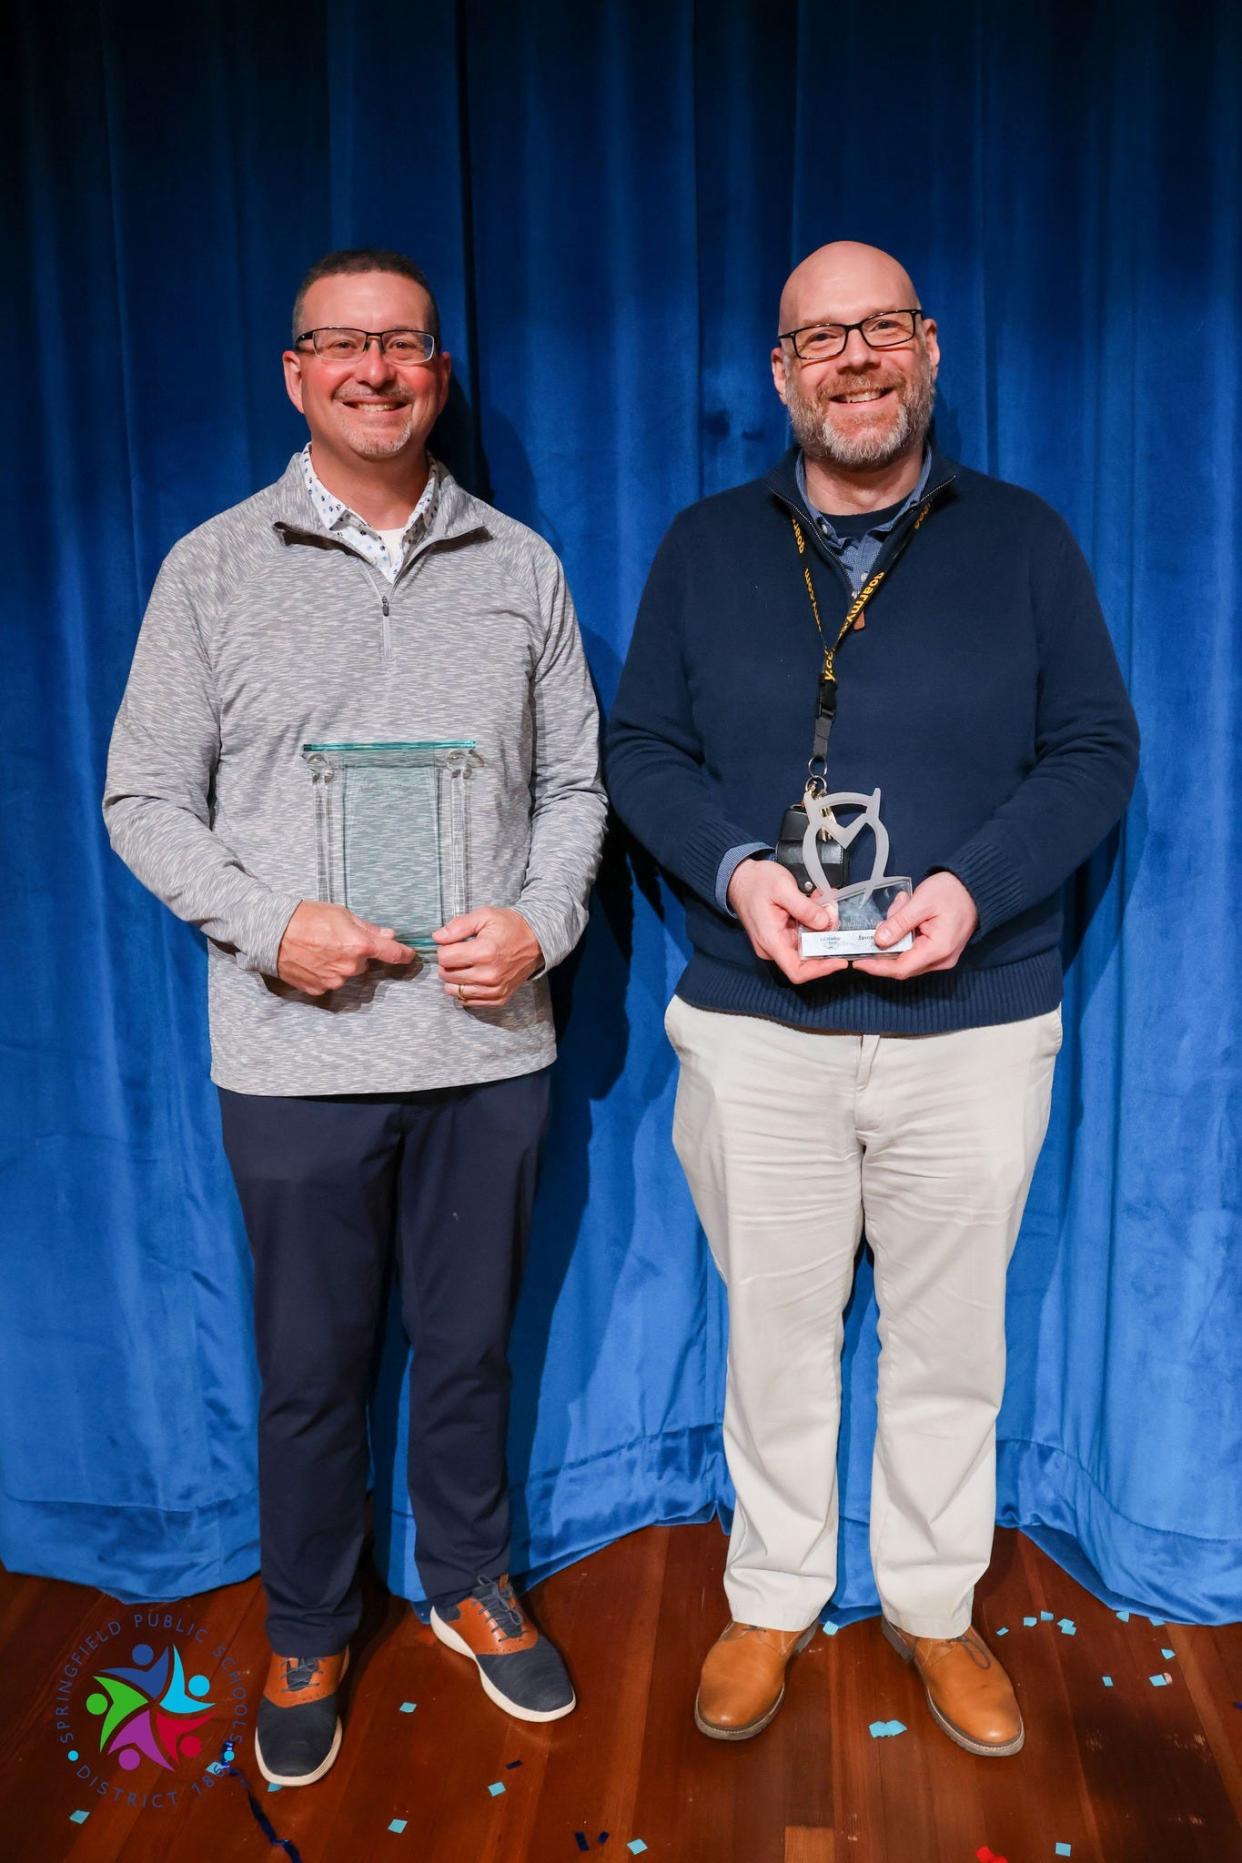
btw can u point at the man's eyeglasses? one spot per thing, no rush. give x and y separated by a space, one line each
820 342
336 345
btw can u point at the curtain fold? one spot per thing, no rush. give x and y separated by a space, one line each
607 200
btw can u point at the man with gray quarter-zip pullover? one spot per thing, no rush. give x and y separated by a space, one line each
365 622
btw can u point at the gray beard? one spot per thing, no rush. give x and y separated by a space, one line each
820 440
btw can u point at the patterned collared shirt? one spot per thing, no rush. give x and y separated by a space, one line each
356 532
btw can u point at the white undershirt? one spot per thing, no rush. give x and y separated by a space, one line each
394 541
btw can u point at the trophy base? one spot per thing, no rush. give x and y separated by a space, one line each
857 943
862 910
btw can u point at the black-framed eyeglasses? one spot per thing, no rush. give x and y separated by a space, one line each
339 345
820 342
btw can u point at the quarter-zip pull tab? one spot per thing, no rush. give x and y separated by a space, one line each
385 630
384 605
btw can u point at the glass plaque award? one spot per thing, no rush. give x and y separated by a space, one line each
864 905
390 825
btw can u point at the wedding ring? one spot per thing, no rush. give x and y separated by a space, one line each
461 994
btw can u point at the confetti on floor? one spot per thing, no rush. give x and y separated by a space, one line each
1157 1623
1030 1620
1063 1850
1107 1680
510 1764
636 1846
1160 1681
1123 1617
397 1825
886 1730
496 1788
1045 1617
408 1707
988 1856
1168 1655
582 1840
78 1817
1067 1627
830 1630
1002 1630
272 1787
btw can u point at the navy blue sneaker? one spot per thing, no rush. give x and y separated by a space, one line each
520 1670
298 1733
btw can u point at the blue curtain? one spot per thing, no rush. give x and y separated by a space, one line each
608 198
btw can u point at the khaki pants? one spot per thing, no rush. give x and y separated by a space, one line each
790 1141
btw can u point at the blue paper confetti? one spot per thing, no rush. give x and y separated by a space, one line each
1107 1680
1068 1627
830 1630
886 1730
603 1837
1002 1630
1160 1681
1030 1620
1157 1623
1063 1850
397 1825
510 1764
78 1817
408 1707
496 1789
582 1840
1168 1655
272 1787
636 1846
1123 1617
1045 1617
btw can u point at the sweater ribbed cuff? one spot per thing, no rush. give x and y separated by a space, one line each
992 881
705 847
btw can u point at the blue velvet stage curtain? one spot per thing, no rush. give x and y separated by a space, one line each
608 198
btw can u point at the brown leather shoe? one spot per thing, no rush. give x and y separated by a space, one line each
968 1692
298 1731
743 1680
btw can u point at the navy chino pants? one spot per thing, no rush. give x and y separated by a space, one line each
332 1190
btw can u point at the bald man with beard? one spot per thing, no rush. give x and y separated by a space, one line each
932 633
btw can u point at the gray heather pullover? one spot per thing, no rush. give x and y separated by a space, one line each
264 633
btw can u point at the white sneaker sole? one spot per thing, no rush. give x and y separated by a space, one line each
305 1778
450 1639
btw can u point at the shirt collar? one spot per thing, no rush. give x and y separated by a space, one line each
334 515
879 529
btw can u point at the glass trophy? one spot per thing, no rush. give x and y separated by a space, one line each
390 825
863 906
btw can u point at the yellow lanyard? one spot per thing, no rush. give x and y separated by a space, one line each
826 701
854 616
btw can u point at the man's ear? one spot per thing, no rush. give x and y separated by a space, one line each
292 364
778 370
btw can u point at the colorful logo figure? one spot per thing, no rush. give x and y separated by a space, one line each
150 1711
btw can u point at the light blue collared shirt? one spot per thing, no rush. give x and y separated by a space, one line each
340 521
857 555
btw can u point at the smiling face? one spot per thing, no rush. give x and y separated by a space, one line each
866 408
367 408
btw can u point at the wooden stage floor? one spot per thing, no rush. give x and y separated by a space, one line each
1124 1774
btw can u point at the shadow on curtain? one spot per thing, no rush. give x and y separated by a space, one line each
608 199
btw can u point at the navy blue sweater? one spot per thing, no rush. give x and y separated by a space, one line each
983 697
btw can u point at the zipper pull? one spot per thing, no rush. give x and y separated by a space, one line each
384 605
